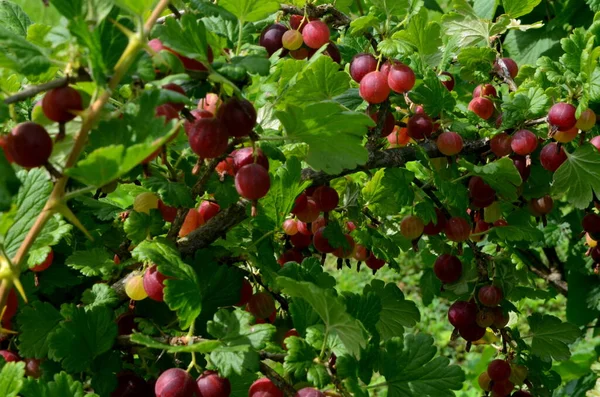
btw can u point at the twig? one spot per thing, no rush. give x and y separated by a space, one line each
278 357
32 91
287 389
338 18
536 266
125 340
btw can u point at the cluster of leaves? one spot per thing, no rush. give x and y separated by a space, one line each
312 125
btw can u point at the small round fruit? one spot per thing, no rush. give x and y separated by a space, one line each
401 78
326 198
167 111
449 143
399 137
11 306
457 229
210 103
361 65
300 240
316 34
462 314
310 212
522 165
300 203
154 284
32 368
472 333
552 156
208 138
542 205
198 114
485 382
490 295
292 40
45 264
482 107
191 222
374 263
374 87
252 182
524 142
144 202
207 210
59 103
562 116
29 145
178 106
342 252
168 213
448 268
309 392
587 120
237 117
360 253
245 293
210 384
298 22
419 126
591 224
486 90
271 38
290 227
566 136
175 382
485 318
481 194
388 125
500 144
247 155
134 288
225 167
9 356
411 227
513 68
502 388
261 305
433 229
501 318
264 388
291 255
448 81
321 242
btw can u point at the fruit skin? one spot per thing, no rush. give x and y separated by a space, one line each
374 87
9 356
374 263
208 138
198 114
450 82
501 318
144 202
168 213
45 264
566 136
207 210
524 169
291 255
326 198
462 314
361 65
310 212
401 78
587 120
472 333
192 221
591 224
411 227
300 203
342 252
131 385
524 142
134 288
29 145
457 229
264 388
301 240
167 111
175 382
290 227
247 155
188 63
210 384
271 38
321 243
552 156
419 126
154 284
388 125
32 368
501 389
562 115
292 40
449 143
486 90
399 137
237 117
481 194
482 107
448 268
261 305
485 318
252 182
542 205
513 68
432 229
490 295
500 144
245 293
11 306
484 381
498 370
309 392
58 102
316 34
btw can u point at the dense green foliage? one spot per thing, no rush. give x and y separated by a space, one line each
366 198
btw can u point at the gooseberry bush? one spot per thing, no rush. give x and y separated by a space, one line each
183 182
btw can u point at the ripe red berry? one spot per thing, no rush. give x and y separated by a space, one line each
360 253
11 306
316 34
59 103
247 155
591 224
361 65
291 255
552 156
210 384
419 126
482 107
502 388
29 145
271 38
261 305
154 284
448 268
399 137
481 194
299 203
500 144
524 142
411 227
374 87
432 229
252 182
521 164
513 68
175 382
45 264
401 78
326 198
321 242
9 356
457 229
237 116
168 213
245 293
342 252
448 82
207 210
178 106
264 388
310 213
198 114
290 227
301 240
542 205
298 22
374 263
501 318
498 370
486 90
449 143
490 295
207 138
562 116
309 392
471 333
462 314
388 125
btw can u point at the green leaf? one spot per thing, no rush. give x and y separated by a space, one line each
334 135
477 63
250 10
62 386
253 64
55 230
485 8
9 184
518 8
174 194
551 337
501 175
92 262
138 7
389 190
393 8
318 376
299 357
411 369
322 80
396 312
423 35
578 178
14 18
186 36
69 8
524 106
332 311
310 270
366 308
519 228
86 335
36 322
432 94
11 378
182 290
32 197
100 295
303 315
362 24
203 347
467 29
140 226
20 55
